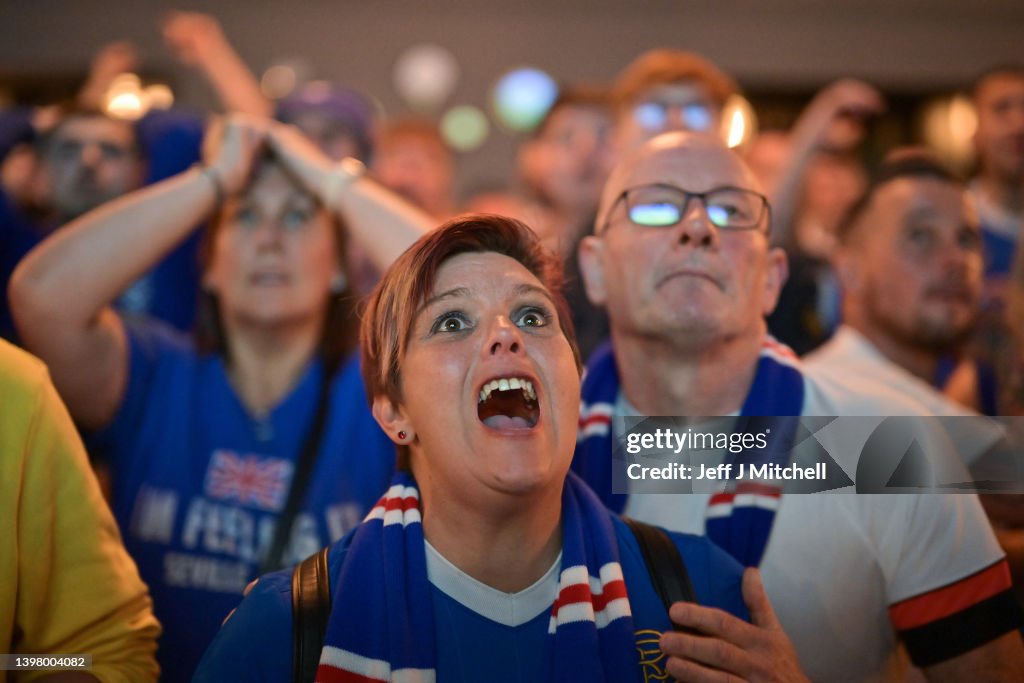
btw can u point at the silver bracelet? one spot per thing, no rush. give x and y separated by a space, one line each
218 187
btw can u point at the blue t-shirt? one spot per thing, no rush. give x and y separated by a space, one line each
256 642
19 233
198 482
999 251
18 236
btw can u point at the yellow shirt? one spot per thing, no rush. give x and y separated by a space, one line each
67 586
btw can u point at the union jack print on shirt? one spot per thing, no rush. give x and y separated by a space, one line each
248 479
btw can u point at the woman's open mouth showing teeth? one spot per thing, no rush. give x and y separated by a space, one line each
508 402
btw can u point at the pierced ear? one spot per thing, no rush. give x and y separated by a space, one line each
392 420
590 255
776 274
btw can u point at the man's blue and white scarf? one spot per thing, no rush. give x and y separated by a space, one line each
740 518
381 626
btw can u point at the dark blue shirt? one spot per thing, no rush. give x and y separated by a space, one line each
198 482
256 642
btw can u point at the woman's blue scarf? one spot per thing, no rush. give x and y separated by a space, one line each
381 626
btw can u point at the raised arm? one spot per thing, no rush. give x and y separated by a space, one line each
61 293
383 223
833 119
198 41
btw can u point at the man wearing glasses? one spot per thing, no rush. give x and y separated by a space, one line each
665 90
682 262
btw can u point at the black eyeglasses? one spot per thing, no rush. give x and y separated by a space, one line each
662 206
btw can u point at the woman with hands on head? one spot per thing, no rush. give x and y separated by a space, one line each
486 559
205 438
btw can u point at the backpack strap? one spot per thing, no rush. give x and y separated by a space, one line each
311 605
665 565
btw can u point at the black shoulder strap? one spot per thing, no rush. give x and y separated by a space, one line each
311 605
664 564
300 480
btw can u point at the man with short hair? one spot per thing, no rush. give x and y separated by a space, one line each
665 90
564 166
682 261
88 159
565 162
910 265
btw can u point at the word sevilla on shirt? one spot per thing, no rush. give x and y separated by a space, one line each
232 525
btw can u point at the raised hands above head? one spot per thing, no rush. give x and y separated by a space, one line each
230 147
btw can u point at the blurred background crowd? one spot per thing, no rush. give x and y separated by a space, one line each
519 108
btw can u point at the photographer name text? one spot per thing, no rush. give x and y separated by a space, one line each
765 472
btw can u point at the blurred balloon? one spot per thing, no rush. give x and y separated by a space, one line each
522 97
425 75
278 81
464 128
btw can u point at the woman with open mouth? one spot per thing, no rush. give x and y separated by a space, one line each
486 559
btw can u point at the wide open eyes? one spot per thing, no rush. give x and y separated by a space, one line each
531 316
451 321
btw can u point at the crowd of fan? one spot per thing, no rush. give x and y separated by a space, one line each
192 283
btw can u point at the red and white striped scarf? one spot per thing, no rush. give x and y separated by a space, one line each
381 626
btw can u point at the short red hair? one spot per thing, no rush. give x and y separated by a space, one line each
392 307
665 67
